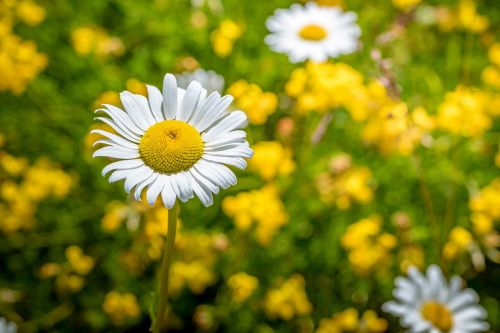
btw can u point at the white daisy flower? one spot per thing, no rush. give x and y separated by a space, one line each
175 144
427 303
209 80
312 32
7 327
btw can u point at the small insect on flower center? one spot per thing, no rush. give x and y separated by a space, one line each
312 32
171 146
437 314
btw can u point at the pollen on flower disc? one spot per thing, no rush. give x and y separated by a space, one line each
171 146
312 32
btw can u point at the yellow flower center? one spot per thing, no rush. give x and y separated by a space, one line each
312 32
438 315
171 146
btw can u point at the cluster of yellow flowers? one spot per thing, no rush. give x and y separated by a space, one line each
197 253
23 186
349 321
344 183
20 60
88 40
485 209
224 37
262 208
467 111
491 74
388 122
288 299
322 86
250 98
459 241
271 159
464 17
69 275
242 285
367 244
121 307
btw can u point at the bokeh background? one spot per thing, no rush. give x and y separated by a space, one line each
363 166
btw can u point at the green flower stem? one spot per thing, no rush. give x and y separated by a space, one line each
165 267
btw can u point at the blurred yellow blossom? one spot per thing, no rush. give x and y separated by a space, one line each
349 321
459 241
464 17
260 208
368 245
195 274
116 212
288 299
405 5
107 97
30 13
224 37
80 263
343 183
25 186
21 63
136 87
88 40
121 307
271 159
250 98
465 111
322 86
242 285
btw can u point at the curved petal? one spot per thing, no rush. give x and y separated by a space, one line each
137 176
155 99
232 121
169 97
137 108
155 189
167 194
115 152
190 101
122 131
116 139
142 185
123 164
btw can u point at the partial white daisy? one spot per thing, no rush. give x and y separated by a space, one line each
209 80
427 303
7 327
312 32
176 144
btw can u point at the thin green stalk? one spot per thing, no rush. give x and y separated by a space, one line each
168 250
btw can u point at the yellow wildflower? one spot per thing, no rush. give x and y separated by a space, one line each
242 286
250 98
288 299
224 37
344 183
459 241
368 246
30 13
88 40
21 63
465 111
349 321
262 208
271 159
115 214
405 5
121 307
80 263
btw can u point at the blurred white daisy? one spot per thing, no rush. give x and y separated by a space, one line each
312 32
176 144
209 80
7 327
427 303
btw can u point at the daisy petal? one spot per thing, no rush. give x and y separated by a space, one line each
169 97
